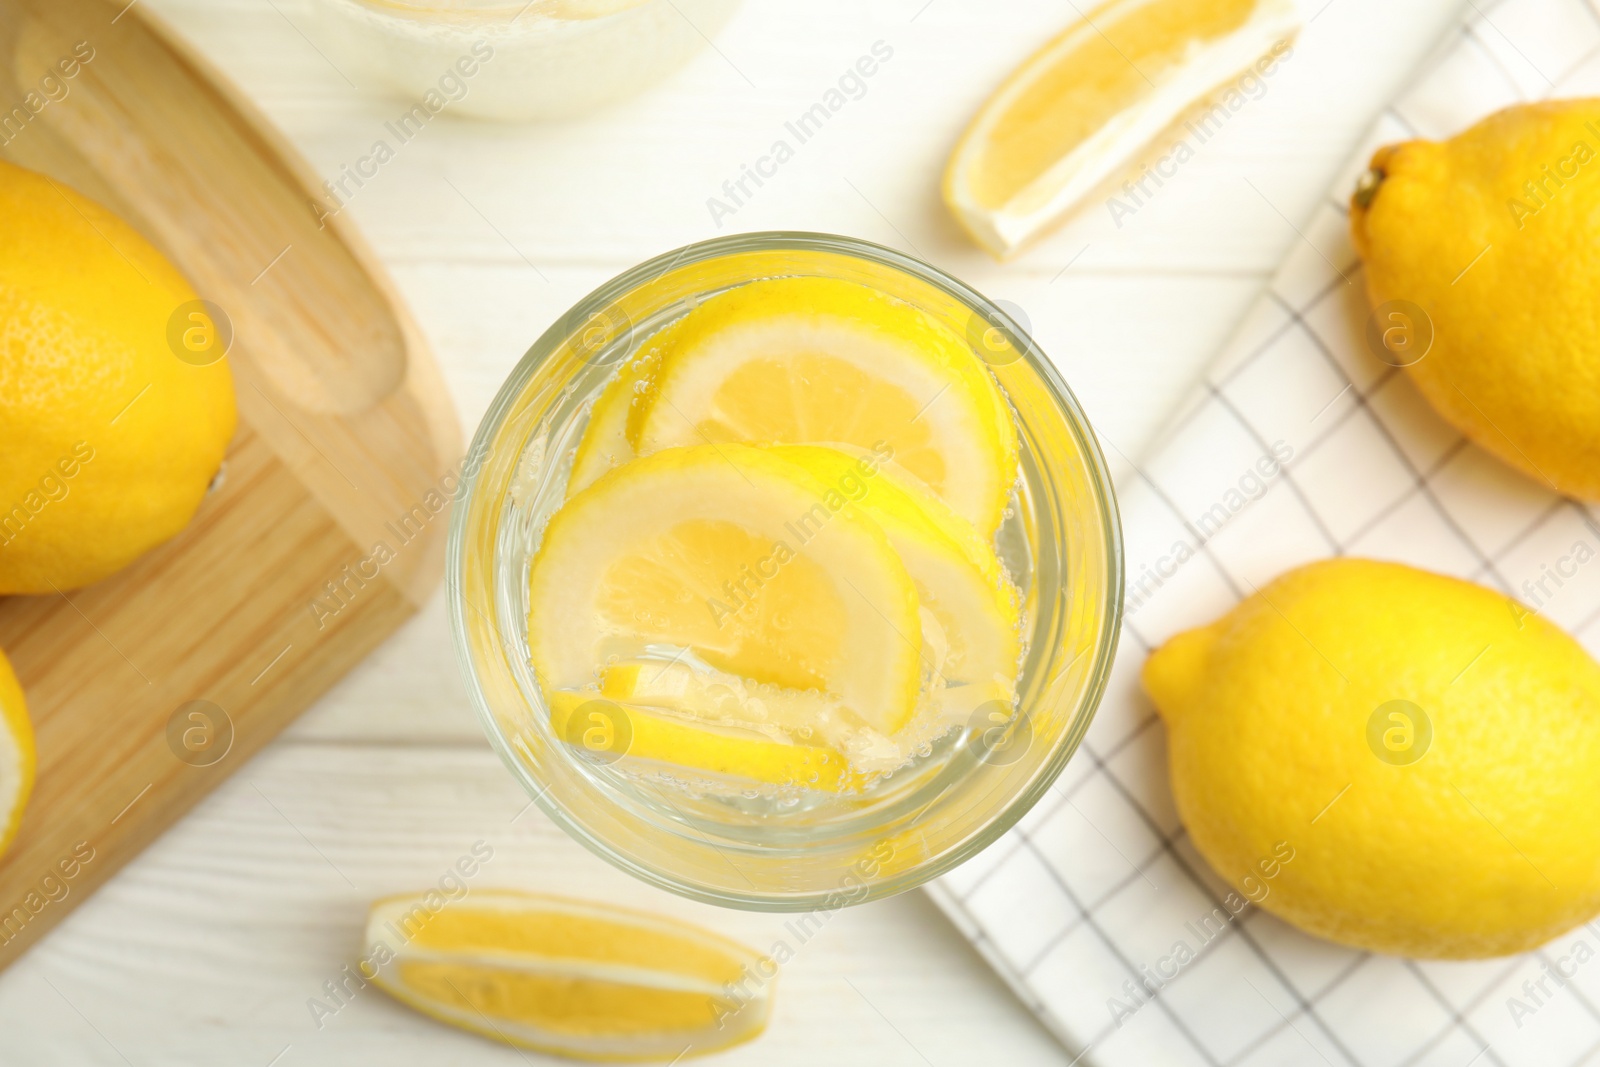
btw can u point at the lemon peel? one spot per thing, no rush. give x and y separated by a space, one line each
1421 743
110 438
1485 246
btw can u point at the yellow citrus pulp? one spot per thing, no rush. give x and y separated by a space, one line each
568 977
820 361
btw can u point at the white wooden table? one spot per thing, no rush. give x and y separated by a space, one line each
206 950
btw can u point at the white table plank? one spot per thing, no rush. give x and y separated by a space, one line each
205 949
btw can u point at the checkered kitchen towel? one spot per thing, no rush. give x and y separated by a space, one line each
1091 892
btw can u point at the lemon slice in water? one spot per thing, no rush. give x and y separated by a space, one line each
612 730
958 577
604 443
820 361
738 557
807 720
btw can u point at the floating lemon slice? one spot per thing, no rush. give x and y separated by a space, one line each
1078 111
568 977
807 720
17 759
738 557
957 575
822 361
612 729
604 443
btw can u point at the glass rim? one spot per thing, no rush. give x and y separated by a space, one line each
1096 469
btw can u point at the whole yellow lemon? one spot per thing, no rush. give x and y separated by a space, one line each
108 439
16 754
1423 751
1483 265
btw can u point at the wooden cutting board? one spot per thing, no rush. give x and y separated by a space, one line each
149 688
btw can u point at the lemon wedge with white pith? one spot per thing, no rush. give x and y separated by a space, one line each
1079 110
17 758
738 557
614 730
958 577
804 360
568 977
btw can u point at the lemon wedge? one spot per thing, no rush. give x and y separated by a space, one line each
613 730
1081 108
17 759
804 360
568 977
958 577
738 557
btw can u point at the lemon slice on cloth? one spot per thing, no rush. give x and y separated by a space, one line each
804 360
17 759
1078 111
568 977
958 577
739 558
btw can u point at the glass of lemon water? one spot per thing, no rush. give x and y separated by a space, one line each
786 571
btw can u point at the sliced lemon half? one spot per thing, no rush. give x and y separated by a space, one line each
1083 106
821 361
569 977
17 756
608 725
958 577
738 557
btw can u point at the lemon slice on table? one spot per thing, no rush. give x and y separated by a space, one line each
958 577
821 361
739 558
1079 110
568 977
17 758
612 729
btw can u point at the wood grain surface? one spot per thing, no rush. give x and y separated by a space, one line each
149 688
